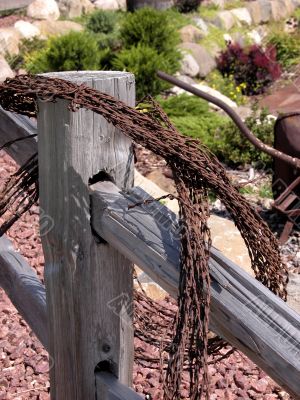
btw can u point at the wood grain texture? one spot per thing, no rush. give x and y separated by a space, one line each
14 126
243 311
88 284
24 289
110 388
13 4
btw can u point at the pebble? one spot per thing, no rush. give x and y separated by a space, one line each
260 386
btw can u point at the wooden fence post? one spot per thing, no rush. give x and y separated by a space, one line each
88 283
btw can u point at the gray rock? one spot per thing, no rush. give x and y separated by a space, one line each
9 41
191 34
74 8
214 50
204 60
202 25
189 66
110 4
26 29
5 70
282 9
239 38
255 11
257 35
293 290
55 28
296 3
242 15
266 10
218 3
204 88
186 79
290 6
244 112
224 20
278 10
43 9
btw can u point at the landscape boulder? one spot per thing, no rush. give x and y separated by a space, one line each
190 33
219 3
43 9
225 235
265 10
209 90
110 4
203 58
186 79
242 15
202 25
257 35
74 8
289 5
26 29
56 28
189 66
278 12
5 70
9 41
217 94
224 20
255 12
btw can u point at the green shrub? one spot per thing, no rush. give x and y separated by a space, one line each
75 51
227 86
296 14
287 48
151 28
104 25
234 149
26 47
143 62
102 21
209 12
176 19
150 42
193 118
265 191
110 40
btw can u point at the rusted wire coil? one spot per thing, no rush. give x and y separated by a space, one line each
195 171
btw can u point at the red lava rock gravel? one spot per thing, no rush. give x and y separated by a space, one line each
10 20
24 362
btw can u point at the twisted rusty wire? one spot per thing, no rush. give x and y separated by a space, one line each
195 171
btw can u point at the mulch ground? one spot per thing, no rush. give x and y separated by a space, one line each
24 362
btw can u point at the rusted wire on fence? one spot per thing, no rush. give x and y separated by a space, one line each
195 171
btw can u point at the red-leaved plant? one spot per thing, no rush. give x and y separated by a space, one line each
252 67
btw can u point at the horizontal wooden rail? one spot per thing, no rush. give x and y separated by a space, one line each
108 387
13 4
24 289
14 126
243 311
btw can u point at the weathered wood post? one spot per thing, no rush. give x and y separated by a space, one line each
88 283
